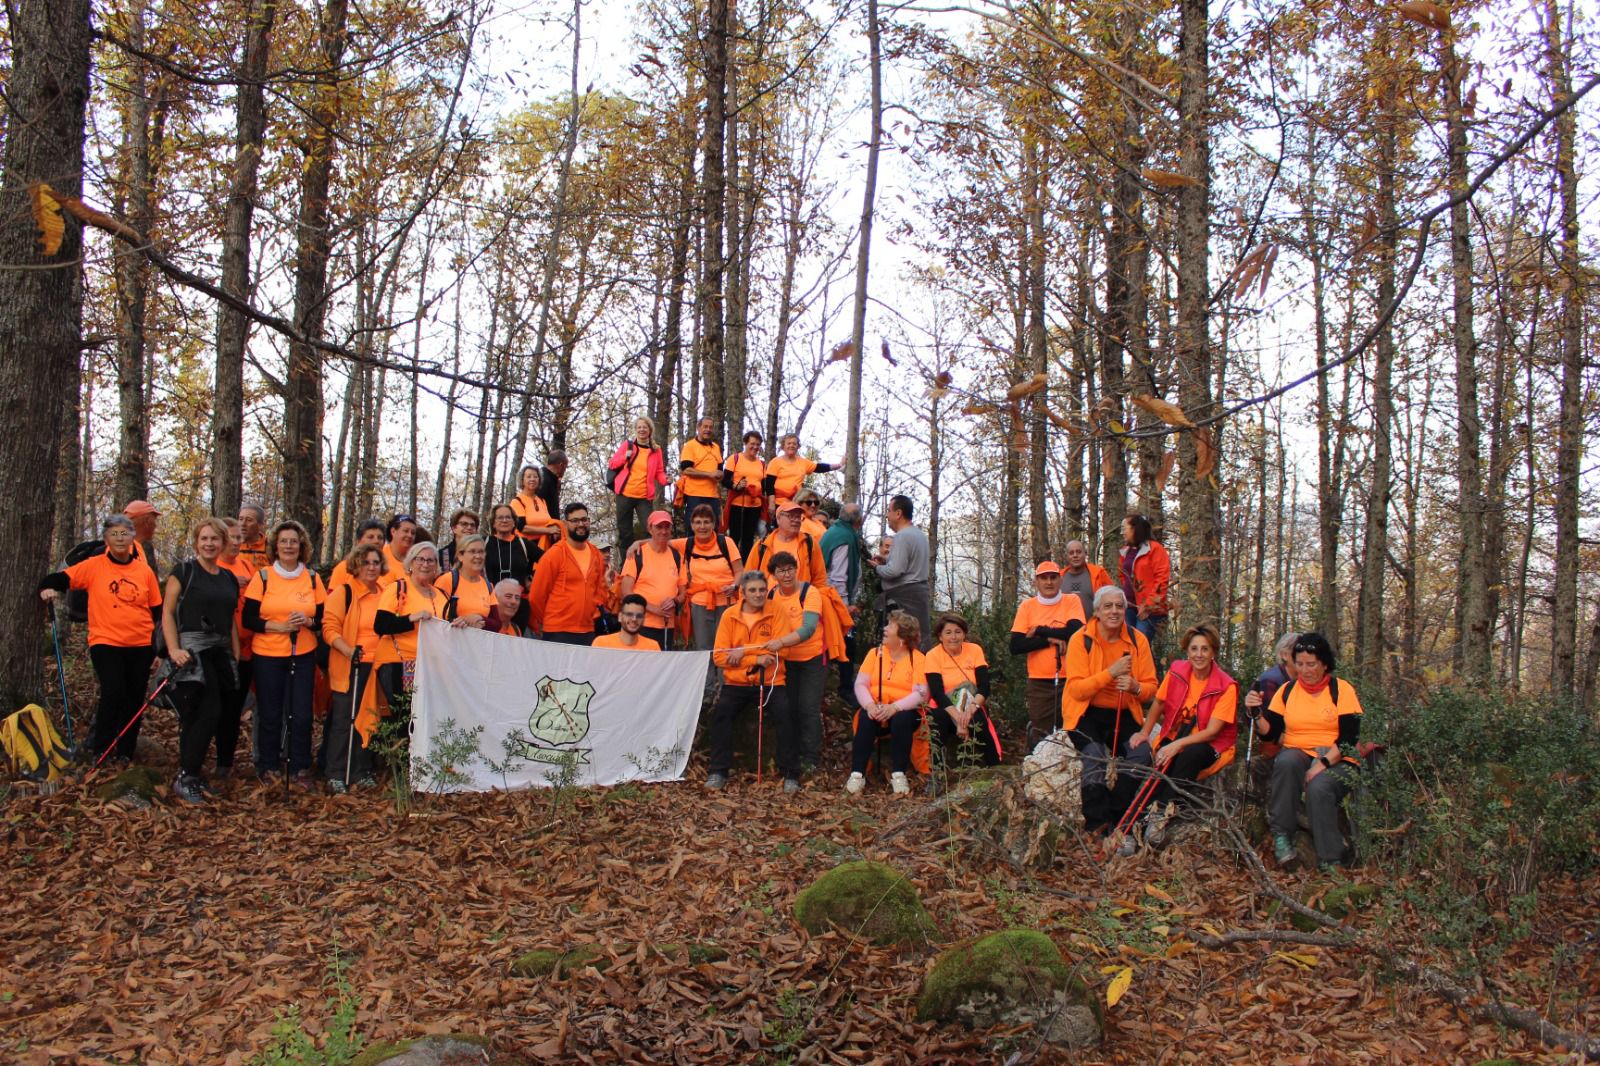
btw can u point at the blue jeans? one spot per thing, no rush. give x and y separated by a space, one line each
1151 627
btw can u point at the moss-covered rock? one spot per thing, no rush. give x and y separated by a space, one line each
1013 977
542 961
1340 900
868 899
456 1049
694 953
136 786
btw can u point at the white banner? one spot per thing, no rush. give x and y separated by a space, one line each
547 711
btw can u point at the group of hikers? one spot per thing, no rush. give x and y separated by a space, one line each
749 568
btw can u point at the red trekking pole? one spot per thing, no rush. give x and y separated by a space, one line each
167 681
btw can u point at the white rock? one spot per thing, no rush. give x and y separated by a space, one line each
1053 776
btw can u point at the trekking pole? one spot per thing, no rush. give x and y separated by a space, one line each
61 675
355 708
167 681
761 717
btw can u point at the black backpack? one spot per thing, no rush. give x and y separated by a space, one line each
78 599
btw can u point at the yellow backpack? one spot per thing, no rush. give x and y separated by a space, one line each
35 749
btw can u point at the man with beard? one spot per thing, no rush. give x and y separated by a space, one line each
569 587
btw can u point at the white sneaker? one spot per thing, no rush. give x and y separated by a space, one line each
856 783
899 783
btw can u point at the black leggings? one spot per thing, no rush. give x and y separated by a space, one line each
124 674
199 706
978 728
902 730
230 714
743 525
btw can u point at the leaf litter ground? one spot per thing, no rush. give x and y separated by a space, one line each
178 935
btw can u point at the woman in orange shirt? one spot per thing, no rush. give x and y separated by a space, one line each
348 624
406 602
534 522
892 687
958 685
470 593
124 601
638 470
788 470
743 476
283 608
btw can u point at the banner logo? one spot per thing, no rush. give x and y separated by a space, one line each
559 718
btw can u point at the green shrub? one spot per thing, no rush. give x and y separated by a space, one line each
1478 798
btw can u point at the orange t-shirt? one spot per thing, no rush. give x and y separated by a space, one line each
788 474
1312 721
393 568
958 670
655 577
279 597
614 640
240 567
402 599
120 598
638 473
534 512
796 607
899 677
1042 663
752 470
813 526
706 457
705 572
255 555
472 596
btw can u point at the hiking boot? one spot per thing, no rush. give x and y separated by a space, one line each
791 785
187 788
304 782
856 783
716 782
1128 847
1283 850
367 781
336 786
898 782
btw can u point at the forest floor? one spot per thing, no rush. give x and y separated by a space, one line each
175 934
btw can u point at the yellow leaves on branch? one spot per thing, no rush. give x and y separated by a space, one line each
47 216
1167 179
1426 13
1170 413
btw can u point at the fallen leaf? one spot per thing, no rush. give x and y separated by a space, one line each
1119 986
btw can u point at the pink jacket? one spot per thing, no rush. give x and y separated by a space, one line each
655 469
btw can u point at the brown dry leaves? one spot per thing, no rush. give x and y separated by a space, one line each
174 935
46 209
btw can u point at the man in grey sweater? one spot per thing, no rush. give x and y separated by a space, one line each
904 574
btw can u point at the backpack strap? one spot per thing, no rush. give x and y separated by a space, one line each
1333 690
722 544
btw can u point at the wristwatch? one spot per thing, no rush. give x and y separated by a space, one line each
1323 759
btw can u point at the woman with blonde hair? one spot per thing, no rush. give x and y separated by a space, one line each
638 470
197 619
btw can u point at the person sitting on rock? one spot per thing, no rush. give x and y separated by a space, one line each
1318 721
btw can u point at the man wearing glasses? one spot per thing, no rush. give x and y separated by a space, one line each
569 587
628 637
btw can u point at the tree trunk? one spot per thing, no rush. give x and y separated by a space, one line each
41 310
233 330
303 403
1199 505
678 278
133 272
713 192
1375 564
792 234
858 316
1034 253
1569 429
1330 431
1474 623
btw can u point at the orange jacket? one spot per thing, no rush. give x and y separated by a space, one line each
1152 576
1087 669
562 598
740 630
